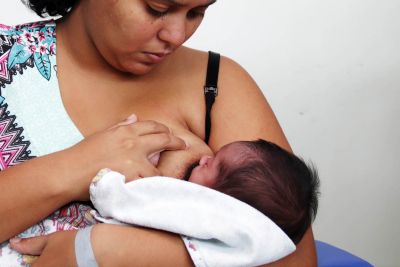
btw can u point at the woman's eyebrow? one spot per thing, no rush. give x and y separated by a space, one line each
176 3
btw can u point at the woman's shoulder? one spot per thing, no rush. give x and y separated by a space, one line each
188 66
192 56
231 73
24 44
196 61
25 39
10 30
28 34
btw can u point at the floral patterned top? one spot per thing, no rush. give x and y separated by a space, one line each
33 120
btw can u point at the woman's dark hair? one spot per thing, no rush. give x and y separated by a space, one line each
46 8
274 181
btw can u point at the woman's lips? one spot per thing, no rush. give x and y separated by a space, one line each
155 57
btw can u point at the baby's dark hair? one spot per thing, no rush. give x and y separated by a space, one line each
46 8
275 182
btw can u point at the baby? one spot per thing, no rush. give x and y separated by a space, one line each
266 177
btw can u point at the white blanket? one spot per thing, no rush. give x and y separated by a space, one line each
217 229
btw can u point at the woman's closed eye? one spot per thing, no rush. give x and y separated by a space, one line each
196 13
161 10
157 11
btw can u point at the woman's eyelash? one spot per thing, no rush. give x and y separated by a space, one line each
156 13
192 14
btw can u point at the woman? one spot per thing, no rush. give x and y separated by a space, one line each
115 58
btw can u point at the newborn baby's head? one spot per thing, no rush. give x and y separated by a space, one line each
266 177
207 171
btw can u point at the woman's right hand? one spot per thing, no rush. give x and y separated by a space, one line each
125 147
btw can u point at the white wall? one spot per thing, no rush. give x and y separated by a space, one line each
331 71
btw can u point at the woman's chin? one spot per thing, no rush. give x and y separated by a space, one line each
136 68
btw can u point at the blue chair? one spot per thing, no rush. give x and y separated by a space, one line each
330 256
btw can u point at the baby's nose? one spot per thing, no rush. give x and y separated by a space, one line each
204 159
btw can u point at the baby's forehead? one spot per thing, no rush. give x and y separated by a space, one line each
233 152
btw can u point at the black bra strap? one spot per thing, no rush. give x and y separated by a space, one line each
211 88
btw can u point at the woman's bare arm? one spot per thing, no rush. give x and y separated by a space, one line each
31 191
121 246
303 256
241 105
113 245
34 189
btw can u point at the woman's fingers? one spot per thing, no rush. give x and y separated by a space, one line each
130 120
161 136
142 127
150 127
162 141
148 170
56 249
29 246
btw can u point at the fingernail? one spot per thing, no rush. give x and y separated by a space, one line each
15 240
132 118
187 144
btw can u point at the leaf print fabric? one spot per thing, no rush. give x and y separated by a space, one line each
31 41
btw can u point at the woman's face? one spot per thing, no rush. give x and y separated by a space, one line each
135 35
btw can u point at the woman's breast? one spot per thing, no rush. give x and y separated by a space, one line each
175 163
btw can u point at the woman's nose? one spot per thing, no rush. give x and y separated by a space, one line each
173 32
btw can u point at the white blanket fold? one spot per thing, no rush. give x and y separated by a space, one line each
222 230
